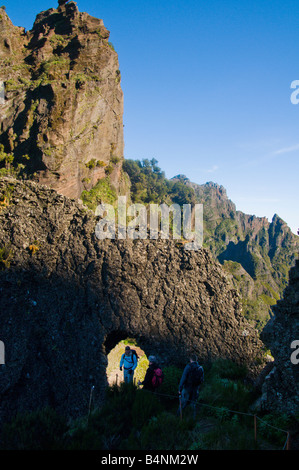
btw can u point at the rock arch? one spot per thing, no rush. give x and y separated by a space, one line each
62 303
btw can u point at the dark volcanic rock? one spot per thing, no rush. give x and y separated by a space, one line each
68 298
281 387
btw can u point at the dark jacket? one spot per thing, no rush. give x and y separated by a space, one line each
185 380
147 382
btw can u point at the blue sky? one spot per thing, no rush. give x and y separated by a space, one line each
207 87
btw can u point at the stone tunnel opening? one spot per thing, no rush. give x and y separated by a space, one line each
115 344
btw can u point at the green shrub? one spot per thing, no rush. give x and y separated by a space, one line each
165 432
80 80
109 169
228 369
224 387
228 435
84 437
11 85
101 192
118 76
172 377
146 405
149 184
225 393
91 164
6 254
268 300
54 68
115 160
39 430
130 342
109 425
58 41
270 425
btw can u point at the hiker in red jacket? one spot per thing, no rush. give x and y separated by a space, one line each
148 383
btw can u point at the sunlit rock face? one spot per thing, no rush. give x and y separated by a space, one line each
64 103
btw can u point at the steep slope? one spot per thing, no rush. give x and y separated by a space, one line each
68 298
281 387
63 114
255 252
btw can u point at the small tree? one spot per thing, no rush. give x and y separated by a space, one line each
6 158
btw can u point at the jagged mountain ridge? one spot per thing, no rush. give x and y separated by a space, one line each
255 252
64 103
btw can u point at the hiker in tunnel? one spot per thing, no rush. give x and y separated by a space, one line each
129 363
153 377
192 378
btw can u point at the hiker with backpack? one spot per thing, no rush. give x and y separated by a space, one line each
129 363
153 377
192 378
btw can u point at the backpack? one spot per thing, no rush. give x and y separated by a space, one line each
196 375
134 353
157 377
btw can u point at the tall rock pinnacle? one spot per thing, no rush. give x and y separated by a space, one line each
64 104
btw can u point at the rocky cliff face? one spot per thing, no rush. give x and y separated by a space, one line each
64 103
68 298
281 387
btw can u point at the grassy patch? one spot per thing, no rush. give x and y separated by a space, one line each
103 191
39 430
6 254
